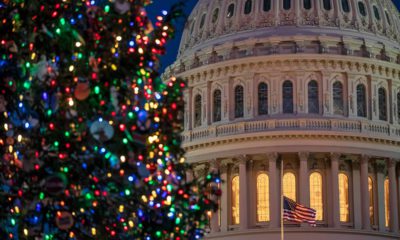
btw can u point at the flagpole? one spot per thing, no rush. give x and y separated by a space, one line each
282 202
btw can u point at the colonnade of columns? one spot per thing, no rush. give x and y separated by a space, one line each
359 199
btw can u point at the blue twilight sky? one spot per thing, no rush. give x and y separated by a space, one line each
172 47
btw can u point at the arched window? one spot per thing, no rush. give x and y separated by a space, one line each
371 200
239 102
345 6
387 18
313 101
344 198
387 208
235 200
327 5
286 4
217 106
197 110
361 8
231 10
382 104
267 5
307 4
262 197
202 21
376 13
289 185
215 15
398 107
316 199
338 98
361 101
247 6
287 95
262 99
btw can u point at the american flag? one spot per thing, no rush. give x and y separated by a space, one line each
295 212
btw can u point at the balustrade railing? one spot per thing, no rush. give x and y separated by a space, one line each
334 125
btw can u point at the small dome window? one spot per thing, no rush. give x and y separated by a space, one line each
231 11
286 4
307 4
361 8
387 17
267 5
247 7
215 15
376 13
345 6
202 21
327 5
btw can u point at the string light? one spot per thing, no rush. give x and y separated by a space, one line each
90 133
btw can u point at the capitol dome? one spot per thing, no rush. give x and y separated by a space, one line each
309 89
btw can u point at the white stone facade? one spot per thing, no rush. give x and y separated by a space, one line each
317 89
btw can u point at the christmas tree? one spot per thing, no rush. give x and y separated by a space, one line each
90 145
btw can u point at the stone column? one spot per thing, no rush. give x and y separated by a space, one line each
224 169
335 189
304 179
276 11
189 113
357 194
214 223
380 183
393 201
252 196
243 193
366 224
274 190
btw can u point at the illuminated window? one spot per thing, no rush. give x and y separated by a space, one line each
197 110
247 6
307 4
262 99
387 208
267 5
231 11
382 104
345 6
376 13
239 102
217 106
371 200
203 20
361 8
338 98
262 198
313 101
361 101
286 4
316 199
344 197
235 200
398 107
289 185
215 15
327 4
287 94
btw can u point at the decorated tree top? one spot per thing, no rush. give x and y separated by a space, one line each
89 134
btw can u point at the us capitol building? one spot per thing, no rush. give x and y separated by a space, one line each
312 84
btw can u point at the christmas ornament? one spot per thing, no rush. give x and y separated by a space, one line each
82 90
101 130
